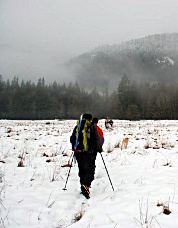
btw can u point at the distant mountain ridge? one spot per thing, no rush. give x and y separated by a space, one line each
152 58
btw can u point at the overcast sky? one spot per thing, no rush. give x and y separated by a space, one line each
38 36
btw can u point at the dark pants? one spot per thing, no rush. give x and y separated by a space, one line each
86 165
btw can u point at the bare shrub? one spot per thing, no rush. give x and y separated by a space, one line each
78 216
166 210
2 191
146 147
20 164
22 158
156 147
55 173
145 219
49 160
9 130
168 163
117 145
147 144
1 176
45 155
159 204
49 202
59 151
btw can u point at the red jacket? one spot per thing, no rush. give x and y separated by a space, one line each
100 132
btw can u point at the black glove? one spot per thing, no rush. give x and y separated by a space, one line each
100 150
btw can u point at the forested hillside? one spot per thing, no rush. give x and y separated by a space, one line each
153 59
131 100
133 80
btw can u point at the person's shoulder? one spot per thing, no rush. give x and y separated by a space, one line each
99 128
93 127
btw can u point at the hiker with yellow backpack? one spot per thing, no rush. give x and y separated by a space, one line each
86 143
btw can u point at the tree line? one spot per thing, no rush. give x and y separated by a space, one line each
132 100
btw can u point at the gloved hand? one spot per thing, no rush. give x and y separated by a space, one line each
100 151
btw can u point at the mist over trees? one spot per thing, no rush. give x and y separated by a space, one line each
133 80
131 100
153 58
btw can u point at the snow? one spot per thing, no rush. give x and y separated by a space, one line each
144 176
165 61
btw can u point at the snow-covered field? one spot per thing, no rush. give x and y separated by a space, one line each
144 176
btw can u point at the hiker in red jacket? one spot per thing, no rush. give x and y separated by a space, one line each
100 132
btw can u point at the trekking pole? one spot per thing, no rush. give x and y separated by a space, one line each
68 174
107 172
70 164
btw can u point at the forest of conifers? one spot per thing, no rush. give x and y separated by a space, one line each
132 100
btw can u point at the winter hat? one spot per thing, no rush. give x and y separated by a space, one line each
95 120
87 116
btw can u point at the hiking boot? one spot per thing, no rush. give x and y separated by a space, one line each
85 191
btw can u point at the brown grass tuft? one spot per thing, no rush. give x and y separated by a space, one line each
20 164
166 210
78 216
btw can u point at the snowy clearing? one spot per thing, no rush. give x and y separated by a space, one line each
144 176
